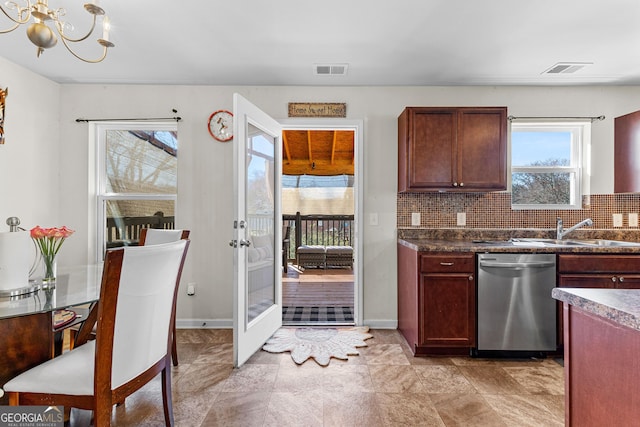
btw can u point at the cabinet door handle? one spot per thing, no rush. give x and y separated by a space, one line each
446 264
455 184
462 184
621 279
470 278
613 279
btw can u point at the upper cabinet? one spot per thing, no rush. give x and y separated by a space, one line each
452 149
627 153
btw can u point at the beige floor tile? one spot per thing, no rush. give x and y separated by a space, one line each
337 379
538 380
299 378
350 409
249 378
385 354
240 409
465 410
384 386
528 410
295 409
407 409
215 354
492 380
395 379
443 379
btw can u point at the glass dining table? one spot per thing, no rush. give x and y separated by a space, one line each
26 321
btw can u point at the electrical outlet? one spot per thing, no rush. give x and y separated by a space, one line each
373 219
617 220
415 219
462 219
191 289
633 219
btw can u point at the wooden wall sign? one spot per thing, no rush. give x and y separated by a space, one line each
317 109
3 97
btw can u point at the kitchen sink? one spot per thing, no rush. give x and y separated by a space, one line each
573 242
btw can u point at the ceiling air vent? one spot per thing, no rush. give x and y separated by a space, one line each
566 67
330 69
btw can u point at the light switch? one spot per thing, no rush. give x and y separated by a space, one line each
617 220
415 219
633 219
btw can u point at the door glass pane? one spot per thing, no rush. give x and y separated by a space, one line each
260 217
141 161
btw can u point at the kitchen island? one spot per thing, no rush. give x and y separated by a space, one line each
601 356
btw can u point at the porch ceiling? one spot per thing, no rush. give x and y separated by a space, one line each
318 152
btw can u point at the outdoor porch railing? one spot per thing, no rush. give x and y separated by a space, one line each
125 231
324 230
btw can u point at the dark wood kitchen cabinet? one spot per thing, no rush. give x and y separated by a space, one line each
437 301
627 153
609 271
614 271
452 149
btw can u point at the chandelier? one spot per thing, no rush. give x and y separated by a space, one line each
41 33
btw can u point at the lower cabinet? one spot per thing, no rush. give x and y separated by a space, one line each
609 271
441 318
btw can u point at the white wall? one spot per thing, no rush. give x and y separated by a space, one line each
30 157
205 166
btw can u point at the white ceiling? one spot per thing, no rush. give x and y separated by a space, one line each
393 42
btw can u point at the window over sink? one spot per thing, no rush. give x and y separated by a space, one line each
549 164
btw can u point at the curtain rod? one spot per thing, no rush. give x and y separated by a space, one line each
177 119
593 119
173 110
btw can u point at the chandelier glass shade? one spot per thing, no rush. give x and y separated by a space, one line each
45 25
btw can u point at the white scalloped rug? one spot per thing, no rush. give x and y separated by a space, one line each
320 344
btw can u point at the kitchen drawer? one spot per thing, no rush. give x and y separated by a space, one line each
617 263
447 263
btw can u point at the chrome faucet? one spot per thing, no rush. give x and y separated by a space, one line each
561 232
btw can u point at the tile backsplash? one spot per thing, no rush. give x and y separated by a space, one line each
493 211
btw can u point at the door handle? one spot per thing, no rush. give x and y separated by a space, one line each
244 242
233 243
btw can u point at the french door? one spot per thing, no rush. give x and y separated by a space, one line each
257 224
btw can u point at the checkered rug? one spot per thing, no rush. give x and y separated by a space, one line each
317 314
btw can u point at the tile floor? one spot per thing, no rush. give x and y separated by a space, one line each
384 386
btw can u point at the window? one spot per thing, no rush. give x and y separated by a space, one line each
136 181
548 164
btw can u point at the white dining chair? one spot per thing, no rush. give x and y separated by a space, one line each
133 341
153 236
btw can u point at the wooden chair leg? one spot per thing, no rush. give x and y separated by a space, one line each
166 396
174 348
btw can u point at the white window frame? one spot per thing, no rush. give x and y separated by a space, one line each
102 197
579 162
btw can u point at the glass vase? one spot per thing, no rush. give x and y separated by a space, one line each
50 270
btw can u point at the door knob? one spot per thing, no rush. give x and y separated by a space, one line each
244 242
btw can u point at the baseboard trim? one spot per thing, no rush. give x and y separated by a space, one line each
381 324
204 324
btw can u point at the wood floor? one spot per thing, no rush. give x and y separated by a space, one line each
317 287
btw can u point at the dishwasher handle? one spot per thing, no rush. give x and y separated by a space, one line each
517 265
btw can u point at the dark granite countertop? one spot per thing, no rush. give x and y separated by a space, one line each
497 240
618 305
482 245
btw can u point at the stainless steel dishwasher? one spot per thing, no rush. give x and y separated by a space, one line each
515 310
